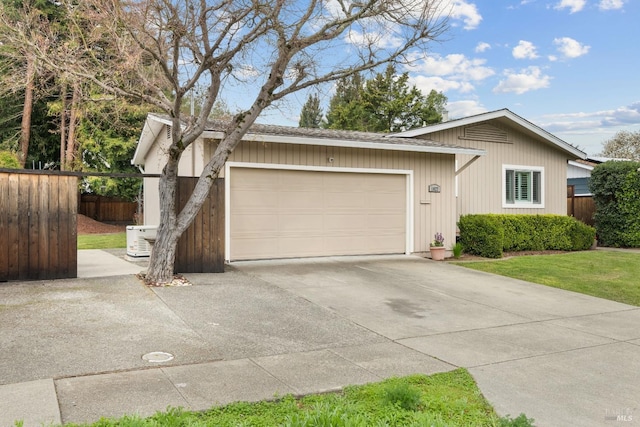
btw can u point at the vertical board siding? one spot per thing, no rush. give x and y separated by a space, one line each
480 185
38 234
433 212
201 246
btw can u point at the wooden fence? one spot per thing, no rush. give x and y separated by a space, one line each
38 226
107 209
201 247
580 207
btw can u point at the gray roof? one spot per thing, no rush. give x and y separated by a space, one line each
215 129
329 134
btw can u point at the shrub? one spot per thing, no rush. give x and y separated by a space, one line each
9 160
616 193
482 235
523 233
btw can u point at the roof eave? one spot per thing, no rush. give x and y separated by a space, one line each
504 113
281 139
150 131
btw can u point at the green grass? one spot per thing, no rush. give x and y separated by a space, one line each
446 399
102 241
610 275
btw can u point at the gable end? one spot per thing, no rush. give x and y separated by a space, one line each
485 132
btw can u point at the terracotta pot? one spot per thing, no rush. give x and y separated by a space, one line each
437 253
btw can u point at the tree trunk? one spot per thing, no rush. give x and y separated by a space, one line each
73 125
163 255
63 128
27 110
172 224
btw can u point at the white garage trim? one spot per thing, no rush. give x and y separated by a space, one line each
227 193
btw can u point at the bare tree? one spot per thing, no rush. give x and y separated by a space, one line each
624 145
274 47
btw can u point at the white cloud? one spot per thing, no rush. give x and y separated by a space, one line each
459 109
467 12
524 50
454 65
621 116
530 78
573 5
439 84
588 130
571 48
482 47
453 72
611 4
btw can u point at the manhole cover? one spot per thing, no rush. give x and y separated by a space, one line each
157 357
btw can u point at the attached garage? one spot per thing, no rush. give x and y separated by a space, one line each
284 213
301 192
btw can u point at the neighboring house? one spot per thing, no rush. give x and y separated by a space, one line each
579 172
524 171
578 175
296 192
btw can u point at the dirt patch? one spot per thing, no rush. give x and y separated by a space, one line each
88 225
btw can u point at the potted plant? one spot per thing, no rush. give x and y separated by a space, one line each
437 247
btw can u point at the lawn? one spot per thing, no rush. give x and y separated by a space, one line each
102 241
446 399
603 274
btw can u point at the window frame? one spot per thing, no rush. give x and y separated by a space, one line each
518 204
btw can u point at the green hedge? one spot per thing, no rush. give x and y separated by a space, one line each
616 193
491 234
9 160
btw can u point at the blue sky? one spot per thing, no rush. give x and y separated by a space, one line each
569 66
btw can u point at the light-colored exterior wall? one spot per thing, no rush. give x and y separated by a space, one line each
432 212
191 164
578 172
480 185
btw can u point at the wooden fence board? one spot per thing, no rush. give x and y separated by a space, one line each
13 224
107 209
582 208
201 247
23 226
37 226
54 230
33 248
44 249
4 225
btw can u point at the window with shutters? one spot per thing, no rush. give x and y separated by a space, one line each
522 186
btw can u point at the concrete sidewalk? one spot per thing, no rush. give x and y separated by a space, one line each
75 350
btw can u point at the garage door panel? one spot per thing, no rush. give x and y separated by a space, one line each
298 199
385 201
303 213
308 223
251 200
256 223
345 200
384 222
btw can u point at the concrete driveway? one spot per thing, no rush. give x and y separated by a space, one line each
560 357
73 349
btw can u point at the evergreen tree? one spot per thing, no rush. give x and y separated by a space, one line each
346 108
311 114
385 103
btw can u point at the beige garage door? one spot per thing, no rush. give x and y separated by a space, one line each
283 213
